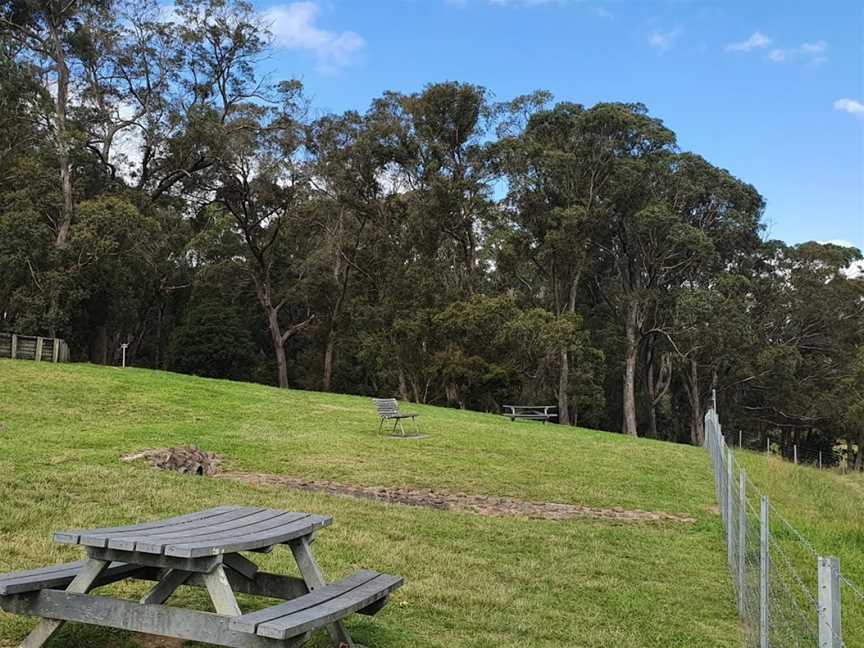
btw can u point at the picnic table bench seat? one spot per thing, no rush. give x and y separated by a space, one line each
362 592
58 577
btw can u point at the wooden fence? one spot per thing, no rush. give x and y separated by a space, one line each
27 347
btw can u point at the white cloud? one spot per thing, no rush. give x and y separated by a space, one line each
294 27
813 48
850 106
838 242
811 53
757 41
600 12
663 41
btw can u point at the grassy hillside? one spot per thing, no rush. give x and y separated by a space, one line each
472 581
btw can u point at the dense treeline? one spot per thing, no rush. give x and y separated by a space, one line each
441 246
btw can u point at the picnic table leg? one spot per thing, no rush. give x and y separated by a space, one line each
221 593
311 573
81 584
163 590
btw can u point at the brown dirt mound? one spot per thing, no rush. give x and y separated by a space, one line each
188 460
477 504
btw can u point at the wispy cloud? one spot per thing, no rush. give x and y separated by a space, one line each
757 41
810 53
294 26
663 41
851 106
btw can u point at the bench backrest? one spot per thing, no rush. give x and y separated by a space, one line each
386 407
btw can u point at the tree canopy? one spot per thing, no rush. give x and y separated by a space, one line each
157 190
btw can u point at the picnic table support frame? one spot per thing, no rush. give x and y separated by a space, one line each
314 579
201 549
81 584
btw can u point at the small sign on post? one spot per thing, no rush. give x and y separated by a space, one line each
123 347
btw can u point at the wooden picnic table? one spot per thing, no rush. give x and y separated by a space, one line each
531 412
202 549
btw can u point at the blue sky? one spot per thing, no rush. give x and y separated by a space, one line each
772 91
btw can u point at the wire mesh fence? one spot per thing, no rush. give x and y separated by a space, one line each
788 595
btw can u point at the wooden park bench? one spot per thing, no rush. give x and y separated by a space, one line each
388 410
199 550
531 412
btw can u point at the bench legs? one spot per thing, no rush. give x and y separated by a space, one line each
81 584
221 593
311 573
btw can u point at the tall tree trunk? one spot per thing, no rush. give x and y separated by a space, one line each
564 414
563 390
859 456
631 352
60 109
652 410
697 422
403 386
278 347
329 351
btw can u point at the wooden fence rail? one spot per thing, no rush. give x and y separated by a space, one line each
28 347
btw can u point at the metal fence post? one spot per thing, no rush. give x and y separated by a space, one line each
764 567
14 350
742 539
830 628
795 450
730 517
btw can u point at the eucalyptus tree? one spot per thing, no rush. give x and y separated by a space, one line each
808 319
263 186
49 33
556 176
351 187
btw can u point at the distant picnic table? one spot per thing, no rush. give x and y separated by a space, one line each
531 412
201 549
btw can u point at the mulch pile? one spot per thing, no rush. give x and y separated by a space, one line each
462 502
187 460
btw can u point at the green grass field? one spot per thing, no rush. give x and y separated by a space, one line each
471 581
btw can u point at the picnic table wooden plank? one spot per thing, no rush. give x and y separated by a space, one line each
58 576
331 610
129 540
179 623
250 622
263 519
73 536
245 542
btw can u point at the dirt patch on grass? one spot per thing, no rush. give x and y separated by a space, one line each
462 502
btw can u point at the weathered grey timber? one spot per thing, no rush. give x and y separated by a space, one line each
388 410
198 550
531 412
209 533
29 347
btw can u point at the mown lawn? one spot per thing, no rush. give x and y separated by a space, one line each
471 581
